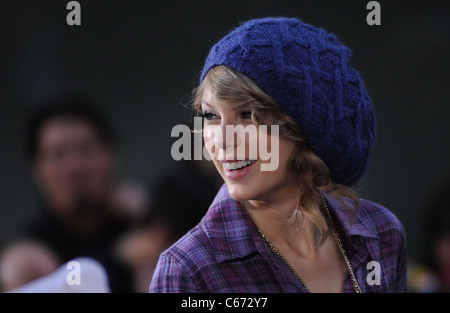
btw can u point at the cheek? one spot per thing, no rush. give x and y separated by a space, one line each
274 152
207 138
49 176
209 134
285 151
102 168
51 183
218 166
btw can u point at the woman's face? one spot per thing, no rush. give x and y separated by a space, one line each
245 179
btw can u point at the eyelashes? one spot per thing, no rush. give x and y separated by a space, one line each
246 115
209 116
212 116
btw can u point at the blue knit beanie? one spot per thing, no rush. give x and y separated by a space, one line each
306 70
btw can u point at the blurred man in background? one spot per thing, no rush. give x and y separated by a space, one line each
72 153
85 213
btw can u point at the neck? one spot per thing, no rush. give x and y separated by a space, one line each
272 219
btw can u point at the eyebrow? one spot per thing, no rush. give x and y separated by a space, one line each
205 103
243 106
207 106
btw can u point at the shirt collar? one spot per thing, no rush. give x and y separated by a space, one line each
233 234
230 230
352 225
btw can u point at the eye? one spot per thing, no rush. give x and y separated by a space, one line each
209 116
246 114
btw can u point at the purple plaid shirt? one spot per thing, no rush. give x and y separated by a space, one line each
225 253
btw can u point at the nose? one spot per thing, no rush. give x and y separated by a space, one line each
229 137
221 139
74 163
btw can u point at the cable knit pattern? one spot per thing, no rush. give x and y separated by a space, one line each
306 70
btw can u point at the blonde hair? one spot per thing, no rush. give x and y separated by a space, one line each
313 176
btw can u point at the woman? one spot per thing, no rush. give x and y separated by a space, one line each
299 228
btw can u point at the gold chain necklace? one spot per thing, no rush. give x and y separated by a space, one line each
336 236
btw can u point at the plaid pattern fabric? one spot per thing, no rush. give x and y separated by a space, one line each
225 253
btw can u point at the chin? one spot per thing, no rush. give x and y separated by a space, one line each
239 192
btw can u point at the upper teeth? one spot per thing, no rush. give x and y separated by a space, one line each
236 165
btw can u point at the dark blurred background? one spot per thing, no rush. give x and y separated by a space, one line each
139 60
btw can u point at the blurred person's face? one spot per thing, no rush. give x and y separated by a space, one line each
442 251
247 182
73 167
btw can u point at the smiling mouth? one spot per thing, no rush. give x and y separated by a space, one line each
238 165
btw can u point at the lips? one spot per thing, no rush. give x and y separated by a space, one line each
236 170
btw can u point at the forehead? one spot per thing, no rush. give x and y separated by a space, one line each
65 129
210 99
